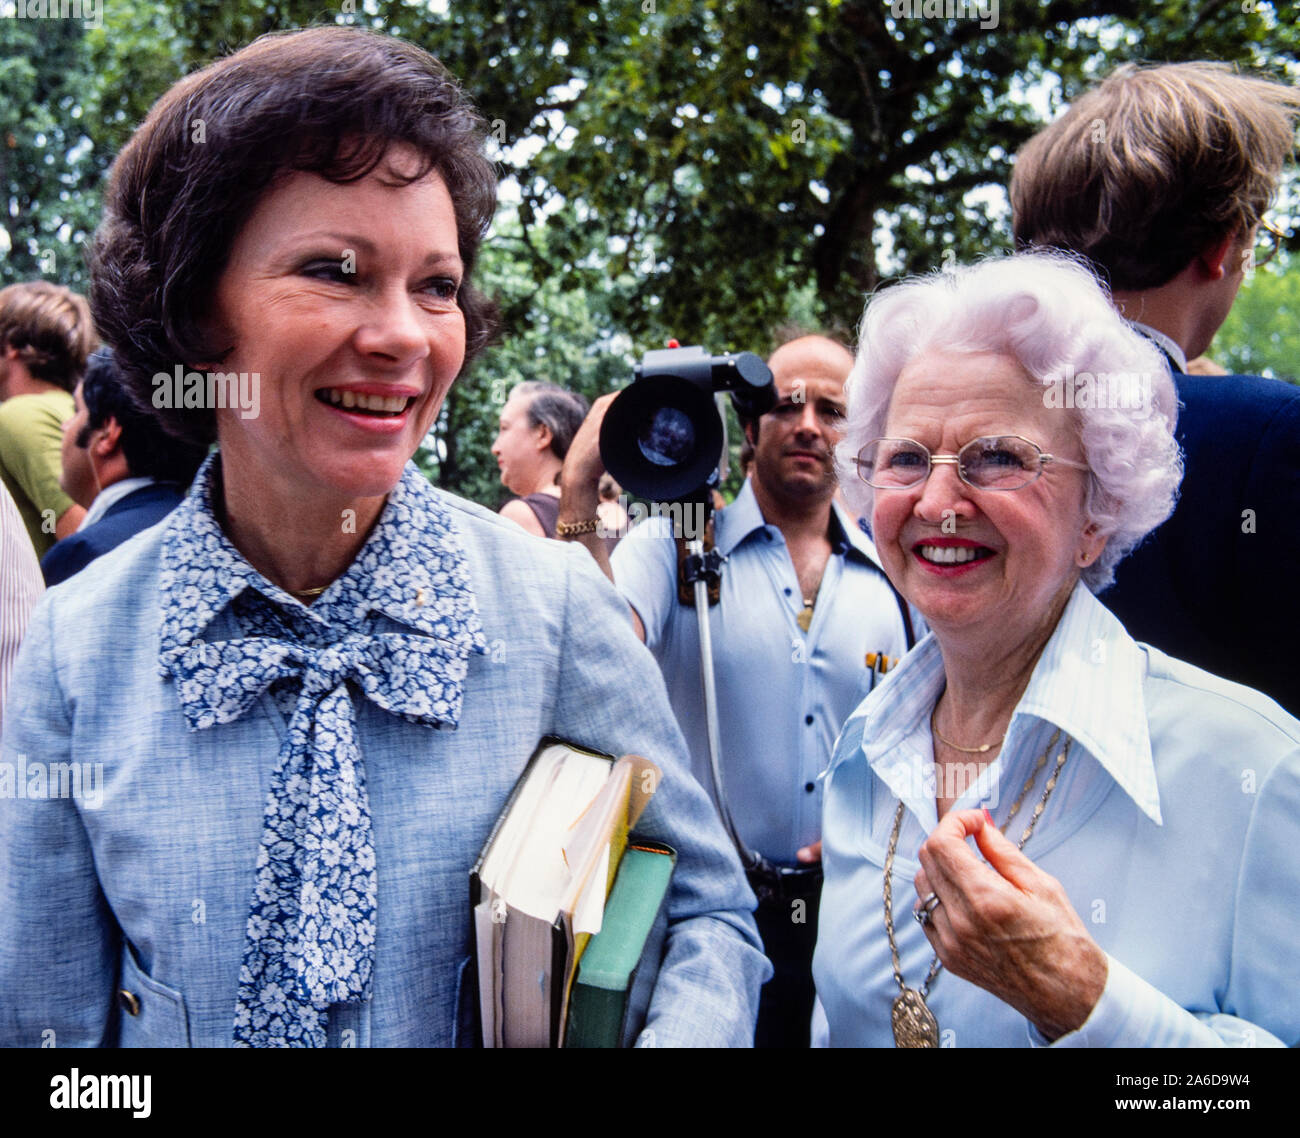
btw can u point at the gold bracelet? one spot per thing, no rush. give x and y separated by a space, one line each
576 529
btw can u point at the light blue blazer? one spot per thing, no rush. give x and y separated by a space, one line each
123 904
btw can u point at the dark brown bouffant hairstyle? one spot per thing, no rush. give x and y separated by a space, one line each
1154 165
329 101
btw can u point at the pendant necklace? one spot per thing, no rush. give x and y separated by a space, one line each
804 619
912 1020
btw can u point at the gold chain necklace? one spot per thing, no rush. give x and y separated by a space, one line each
912 1020
957 746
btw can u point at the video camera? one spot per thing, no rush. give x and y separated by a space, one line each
662 438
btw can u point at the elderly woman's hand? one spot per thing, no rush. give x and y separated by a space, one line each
1008 926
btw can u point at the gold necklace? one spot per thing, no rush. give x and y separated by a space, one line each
308 594
957 746
912 1020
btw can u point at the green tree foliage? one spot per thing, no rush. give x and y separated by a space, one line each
732 153
690 168
1262 333
48 168
551 332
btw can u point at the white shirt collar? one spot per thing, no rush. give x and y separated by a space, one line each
1088 682
109 496
1160 340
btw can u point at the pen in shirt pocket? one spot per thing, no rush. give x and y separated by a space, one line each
879 664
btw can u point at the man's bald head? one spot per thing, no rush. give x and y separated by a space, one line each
794 443
810 357
805 361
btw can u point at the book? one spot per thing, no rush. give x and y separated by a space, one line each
539 886
617 972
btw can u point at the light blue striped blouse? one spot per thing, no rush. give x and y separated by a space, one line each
1174 828
783 693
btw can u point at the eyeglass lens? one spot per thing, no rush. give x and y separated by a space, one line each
993 463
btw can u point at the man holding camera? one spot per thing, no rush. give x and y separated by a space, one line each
802 604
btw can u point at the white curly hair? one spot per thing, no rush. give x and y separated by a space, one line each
1050 312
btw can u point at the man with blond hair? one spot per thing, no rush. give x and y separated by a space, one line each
1161 177
46 335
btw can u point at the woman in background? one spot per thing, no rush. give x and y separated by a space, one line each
536 429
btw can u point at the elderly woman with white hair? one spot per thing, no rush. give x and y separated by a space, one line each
1133 879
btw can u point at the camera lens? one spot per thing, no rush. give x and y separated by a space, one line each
668 438
661 438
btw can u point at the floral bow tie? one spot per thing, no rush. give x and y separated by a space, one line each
311 923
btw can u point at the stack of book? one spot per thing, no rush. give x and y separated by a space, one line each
566 910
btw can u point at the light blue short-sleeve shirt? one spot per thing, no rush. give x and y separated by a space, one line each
783 693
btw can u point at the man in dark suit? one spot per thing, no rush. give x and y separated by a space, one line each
117 464
1161 177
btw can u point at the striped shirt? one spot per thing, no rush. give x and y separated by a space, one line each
20 586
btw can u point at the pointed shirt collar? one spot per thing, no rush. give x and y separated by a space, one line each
1088 682
411 569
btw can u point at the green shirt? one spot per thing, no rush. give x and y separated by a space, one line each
31 436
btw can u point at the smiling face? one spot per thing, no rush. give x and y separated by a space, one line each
983 563
794 456
342 298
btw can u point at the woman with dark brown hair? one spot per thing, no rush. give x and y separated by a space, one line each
301 701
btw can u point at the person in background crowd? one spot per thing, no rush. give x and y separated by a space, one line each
1147 891
1161 177
313 687
613 518
20 587
803 602
537 425
120 465
45 336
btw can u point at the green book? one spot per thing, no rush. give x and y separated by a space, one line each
617 972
